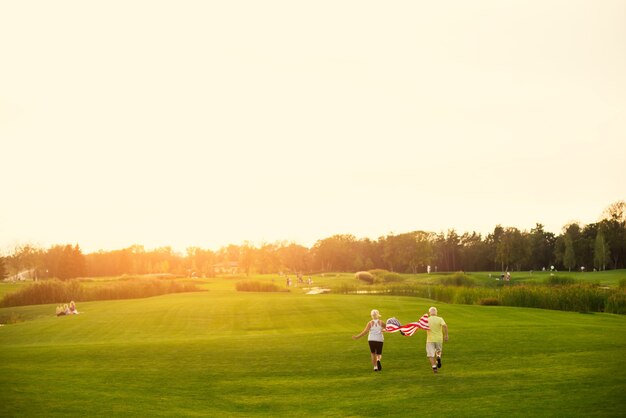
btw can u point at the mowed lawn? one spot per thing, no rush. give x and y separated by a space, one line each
236 354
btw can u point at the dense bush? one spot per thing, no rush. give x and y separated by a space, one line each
458 279
56 291
365 276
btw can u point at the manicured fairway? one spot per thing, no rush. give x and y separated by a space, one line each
223 353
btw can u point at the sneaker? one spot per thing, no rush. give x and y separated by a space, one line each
439 362
380 366
435 370
375 370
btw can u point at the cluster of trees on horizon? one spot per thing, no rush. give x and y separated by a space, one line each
596 246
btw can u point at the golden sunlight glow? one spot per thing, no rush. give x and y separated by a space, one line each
208 123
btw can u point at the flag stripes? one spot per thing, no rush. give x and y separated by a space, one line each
410 328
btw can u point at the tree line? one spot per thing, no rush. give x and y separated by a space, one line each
598 246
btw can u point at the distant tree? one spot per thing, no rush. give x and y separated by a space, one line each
25 259
246 257
399 252
601 253
424 252
474 253
504 250
492 241
268 259
571 236
3 270
336 253
614 228
294 257
369 253
616 211
541 247
227 254
586 245
448 251
569 257
200 262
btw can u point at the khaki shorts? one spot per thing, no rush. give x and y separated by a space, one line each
433 348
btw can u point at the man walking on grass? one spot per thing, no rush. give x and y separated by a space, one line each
435 336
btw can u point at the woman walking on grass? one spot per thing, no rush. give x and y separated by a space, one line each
375 327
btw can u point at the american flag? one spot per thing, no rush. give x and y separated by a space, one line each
407 329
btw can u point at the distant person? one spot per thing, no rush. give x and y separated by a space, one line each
66 309
375 338
428 269
435 336
73 309
60 311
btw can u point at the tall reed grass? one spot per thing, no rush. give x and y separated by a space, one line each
56 291
578 297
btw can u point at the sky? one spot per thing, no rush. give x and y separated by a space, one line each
208 123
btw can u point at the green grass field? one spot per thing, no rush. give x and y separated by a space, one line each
224 353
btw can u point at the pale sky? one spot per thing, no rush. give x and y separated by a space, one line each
204 123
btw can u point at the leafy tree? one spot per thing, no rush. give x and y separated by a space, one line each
268 259
424 252
492 244
504 251
474 253
541 247
614 224
246 257
586 245
370 253
408 252
3 270
571 236
569 257
448 250
392 252
295 257
336 253
601 253
65 262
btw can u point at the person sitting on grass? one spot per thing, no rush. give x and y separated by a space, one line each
60 311
73 309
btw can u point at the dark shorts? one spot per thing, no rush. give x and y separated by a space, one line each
376 347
